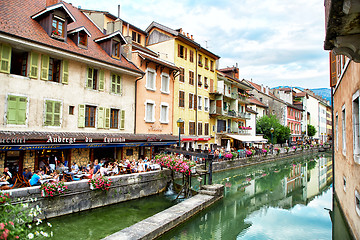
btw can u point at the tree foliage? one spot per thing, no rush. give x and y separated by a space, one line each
311 130
265 123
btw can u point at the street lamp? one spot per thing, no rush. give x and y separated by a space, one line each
272 133
180 124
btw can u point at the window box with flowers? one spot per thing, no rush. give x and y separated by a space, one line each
207 67
100 182
199 83
206 85
52 189
200 64
57 35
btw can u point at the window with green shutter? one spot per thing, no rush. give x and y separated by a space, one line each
34 65
116 83
5 58
52 113
16 110
107 118
122 119
100 117
65 72
101 80
114 118
95 79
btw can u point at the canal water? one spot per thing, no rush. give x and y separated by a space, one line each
288 199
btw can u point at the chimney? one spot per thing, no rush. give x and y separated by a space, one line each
119 11
187 35
192 38
51 2
127 48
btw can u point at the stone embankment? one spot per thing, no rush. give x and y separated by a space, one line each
162 222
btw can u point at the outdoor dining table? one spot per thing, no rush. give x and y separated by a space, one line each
47 180
80 175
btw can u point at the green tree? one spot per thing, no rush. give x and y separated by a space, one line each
265 123
311 130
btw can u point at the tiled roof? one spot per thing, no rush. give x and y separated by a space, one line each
15 19
157 60
251 111
300 94
253 100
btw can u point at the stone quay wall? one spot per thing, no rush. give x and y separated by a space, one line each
80 197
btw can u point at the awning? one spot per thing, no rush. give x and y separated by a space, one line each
248 138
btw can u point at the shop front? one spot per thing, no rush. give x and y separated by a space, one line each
19 150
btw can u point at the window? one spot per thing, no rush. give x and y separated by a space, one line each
191 77
149 111
19 61
52 113
182 76
181 99
206 129
182 52
191 101
114 118
58 27
200 61
83 38
206 83
337 131
71 110
344 182
164 113
182 129
165 82
199 80
261 99
150 79
90 114
95 79
200 125
211 65
206 104
199 102
53 69
357 202
343 123
191 56
206 63
116 49
191 128
116 83
356 131
139 38
134 36
16 110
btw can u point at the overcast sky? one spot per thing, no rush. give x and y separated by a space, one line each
274 42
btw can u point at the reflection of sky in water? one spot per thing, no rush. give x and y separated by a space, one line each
300 222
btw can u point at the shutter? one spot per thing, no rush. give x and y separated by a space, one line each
49 111
34 65
179 50
101 80
122 119
185 50
65 72
5 58
195 102
113 81
57 108
333 76
44 75
89 77
107 118
12 110
100 120
81 117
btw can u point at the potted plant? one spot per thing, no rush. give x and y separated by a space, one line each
100 182
51 189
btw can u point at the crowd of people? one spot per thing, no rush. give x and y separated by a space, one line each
57 171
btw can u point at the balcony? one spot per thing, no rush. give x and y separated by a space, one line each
217 91
244 115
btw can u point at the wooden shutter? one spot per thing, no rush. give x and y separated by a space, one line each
190 100
100 119
57 108
65 72
5 58
49 111
16 110
44 74
333 75
185 50
107 118
81 116
34 65
113 83
195 102
122 119
89 77
101 80
179 50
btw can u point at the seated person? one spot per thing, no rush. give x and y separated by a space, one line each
6 177
74 167
48 171
35 179
27 173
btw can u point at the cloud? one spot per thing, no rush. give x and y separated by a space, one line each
273 41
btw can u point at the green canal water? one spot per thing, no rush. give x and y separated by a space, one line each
288 199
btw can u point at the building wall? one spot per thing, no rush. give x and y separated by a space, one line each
165 49
313 109
144 94
345 166
322 122
71 94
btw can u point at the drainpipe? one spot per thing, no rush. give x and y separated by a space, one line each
196 92
142 76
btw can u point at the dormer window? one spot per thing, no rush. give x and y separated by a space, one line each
79 36
83 37
112 44
58 27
